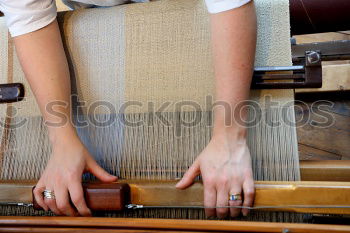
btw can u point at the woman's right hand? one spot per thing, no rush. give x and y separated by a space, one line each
63 175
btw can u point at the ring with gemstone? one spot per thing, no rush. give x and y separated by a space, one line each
235 197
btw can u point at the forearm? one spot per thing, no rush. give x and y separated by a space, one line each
45 66
234 42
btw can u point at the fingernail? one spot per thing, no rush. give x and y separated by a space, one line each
245 213
178 184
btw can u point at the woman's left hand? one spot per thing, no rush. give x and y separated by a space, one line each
225 166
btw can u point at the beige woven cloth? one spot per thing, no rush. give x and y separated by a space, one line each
155 52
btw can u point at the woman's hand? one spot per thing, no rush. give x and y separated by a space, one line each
63 175
225 166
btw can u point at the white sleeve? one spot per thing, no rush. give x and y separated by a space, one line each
216 6
24 16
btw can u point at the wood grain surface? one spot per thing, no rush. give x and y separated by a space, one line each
80 224
284 196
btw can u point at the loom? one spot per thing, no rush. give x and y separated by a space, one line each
152 53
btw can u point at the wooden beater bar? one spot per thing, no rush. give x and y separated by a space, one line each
280 196
325 170
302 197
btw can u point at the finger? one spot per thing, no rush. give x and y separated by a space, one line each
249 192
189 176
38 195
62 202
234 212
99 172
77 197
209 199
51 203
222 200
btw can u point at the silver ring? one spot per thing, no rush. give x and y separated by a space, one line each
235 197
48 194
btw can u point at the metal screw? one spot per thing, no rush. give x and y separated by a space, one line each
313 57
286 230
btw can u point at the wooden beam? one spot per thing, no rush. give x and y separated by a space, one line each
286 196
80 224
325 170
16 191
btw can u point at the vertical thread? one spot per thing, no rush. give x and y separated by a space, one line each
7 120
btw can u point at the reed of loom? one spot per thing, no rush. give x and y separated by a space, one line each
154 52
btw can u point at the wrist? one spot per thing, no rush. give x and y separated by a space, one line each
59 135
231 133
230 124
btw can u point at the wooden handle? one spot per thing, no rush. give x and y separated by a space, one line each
103 197
11 92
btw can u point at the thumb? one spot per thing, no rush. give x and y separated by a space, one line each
189 176
99 172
